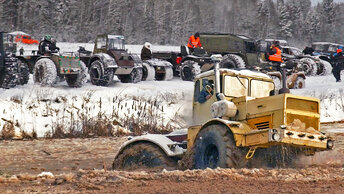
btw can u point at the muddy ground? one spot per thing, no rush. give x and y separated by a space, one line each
84 166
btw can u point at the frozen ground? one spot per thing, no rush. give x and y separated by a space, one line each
165 103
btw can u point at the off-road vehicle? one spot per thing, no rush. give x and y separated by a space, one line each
111 58
242 122
12 71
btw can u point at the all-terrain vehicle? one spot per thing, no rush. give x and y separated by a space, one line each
51 66
242 122
111 58
12 71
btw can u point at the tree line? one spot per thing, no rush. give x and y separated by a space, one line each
173 21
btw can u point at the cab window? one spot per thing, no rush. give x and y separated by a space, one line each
101 42
235 86
261 88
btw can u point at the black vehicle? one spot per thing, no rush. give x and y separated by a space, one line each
12 71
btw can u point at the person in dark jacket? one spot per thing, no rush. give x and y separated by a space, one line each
206 93
308 50
338 63
47 46
146 52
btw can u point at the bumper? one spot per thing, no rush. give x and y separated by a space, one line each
270 137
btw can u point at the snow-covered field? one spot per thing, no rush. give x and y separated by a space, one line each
162 103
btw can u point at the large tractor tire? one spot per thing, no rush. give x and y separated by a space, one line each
167 76
98 76
23 73
277 81
308 66
143 156
44 72
232 61
8 78
325 68
189 70
134 77
77 80
215 147
148 72
299 83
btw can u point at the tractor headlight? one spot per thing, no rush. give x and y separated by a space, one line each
283 127
276 137
330 144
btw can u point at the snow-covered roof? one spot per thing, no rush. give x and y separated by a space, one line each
115 36
244 72
324 43
18 33
280 41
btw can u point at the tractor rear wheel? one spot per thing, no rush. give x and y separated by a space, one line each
23 73
100 76
143 156
134 77
308 66
77 80
8 73
215 147
44 72
189 70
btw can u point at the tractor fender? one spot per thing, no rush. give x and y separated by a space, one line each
159 140
107 60
238 129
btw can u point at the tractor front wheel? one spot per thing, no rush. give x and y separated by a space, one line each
44 72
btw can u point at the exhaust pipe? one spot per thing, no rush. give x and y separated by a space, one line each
219 95
284 88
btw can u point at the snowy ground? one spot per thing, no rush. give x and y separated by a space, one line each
166 103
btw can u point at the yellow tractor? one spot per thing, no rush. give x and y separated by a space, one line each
235 113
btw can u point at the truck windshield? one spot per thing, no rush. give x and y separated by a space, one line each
116 43
235 86
332 48
261 88
320 47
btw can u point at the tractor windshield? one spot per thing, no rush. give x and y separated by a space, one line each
235 86
261 88
251 47
9 45
116 43
320 47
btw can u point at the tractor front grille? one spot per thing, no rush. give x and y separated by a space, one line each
262 125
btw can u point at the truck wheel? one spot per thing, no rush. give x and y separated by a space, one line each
325 68
44 72
215 147
232 61
8 73
134 77
23 73
299 83
167 76
308 66
277 82
77 80
142 156
98 76
148 72
189 70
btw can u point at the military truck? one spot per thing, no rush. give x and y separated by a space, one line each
12 71
241 117
111 58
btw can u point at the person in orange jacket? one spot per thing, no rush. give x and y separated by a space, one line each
275 54
194 42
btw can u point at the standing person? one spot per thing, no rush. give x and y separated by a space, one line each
194 42
275 55
146 52
338 63
21 51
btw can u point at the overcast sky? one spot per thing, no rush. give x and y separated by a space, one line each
317 1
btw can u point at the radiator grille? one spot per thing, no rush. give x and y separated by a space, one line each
262 125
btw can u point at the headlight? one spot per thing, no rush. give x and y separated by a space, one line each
330 144
276 137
